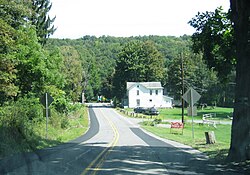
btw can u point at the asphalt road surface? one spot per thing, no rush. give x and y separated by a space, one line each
113 145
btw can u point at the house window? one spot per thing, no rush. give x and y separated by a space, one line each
156 92
138 92
138 103
150 92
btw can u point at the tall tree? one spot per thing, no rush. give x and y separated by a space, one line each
72 71
7 63
12 18
240 140
138 61
30 59
214 38
41 19
196 74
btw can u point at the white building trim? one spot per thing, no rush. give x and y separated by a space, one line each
147 94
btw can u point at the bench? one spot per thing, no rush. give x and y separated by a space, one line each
205 120
176 126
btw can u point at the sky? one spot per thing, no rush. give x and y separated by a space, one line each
125 18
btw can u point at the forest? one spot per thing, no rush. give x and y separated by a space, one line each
31 64
92 62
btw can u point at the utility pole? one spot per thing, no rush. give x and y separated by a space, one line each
182 91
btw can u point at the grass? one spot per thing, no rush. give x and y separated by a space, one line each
74 125
175 113
222 114
77 125
217 151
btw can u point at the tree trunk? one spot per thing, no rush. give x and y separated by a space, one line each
210 137
240 137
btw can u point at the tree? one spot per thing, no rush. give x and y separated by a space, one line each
30 59
196 75
42 20
72 71
138 61
99 55
240 142
214 38
14 13
12 18
7 64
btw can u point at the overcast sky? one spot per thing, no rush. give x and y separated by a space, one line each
76 18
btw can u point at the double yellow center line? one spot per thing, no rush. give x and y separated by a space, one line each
97 163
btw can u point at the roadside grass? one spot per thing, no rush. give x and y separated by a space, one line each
217 151
175 113
76 124
61 129
221 114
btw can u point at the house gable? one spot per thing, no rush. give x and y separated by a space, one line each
145 94
147 85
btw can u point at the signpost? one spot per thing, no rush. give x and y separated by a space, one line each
191 97
46 100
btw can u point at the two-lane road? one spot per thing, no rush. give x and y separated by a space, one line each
113 145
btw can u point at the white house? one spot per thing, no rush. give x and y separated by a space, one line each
147 94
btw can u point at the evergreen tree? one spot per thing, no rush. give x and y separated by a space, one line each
42 20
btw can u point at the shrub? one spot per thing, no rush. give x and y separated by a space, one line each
16 125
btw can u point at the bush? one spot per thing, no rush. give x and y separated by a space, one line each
64 122
152 123
16 125
157 121
22 125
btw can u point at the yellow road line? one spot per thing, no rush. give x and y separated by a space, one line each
99 160
99 165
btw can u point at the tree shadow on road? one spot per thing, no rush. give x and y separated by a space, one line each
159 158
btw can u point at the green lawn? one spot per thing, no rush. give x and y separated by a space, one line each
175 113
222 132
218 150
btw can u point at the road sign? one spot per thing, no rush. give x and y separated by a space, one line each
49 99
46 100
45 112
191 96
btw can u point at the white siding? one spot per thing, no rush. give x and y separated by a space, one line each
145 99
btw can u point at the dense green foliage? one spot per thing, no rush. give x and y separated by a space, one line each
41 19
101 57
196 74
214 38
31 64
137 62
27 71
